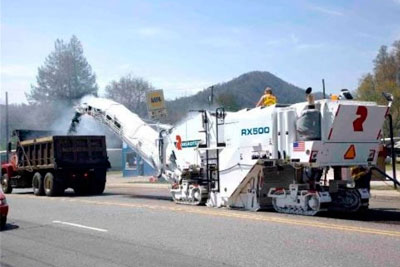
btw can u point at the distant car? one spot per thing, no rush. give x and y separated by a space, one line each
3 210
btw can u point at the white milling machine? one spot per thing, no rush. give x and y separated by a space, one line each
255 158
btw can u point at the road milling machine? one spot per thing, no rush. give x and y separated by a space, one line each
256 158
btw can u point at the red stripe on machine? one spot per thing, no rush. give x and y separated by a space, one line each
387 112
337 111
379 134
330 134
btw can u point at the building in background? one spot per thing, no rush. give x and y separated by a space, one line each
115 158
133 164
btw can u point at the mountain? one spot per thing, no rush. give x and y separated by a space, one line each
241 92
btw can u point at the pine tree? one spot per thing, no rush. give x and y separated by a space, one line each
65 76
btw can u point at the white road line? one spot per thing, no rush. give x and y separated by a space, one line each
81 226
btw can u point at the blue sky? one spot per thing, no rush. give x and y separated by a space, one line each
185 46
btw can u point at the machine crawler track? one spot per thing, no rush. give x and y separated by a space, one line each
189 195
294 210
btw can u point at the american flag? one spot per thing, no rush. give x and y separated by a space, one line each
298 146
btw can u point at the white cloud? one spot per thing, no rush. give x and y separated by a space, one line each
294 38
298 44
326 11
221 42
310 46
366 35
18 71
17 80
156 32
150 31
274 42
16 90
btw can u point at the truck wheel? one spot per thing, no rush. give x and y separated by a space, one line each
5 184
81 190
98 182
97 187
37 184
51 187
3 221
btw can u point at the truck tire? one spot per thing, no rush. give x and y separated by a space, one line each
98 182
5 184
81 189
37 184
51 186
3 221
98 186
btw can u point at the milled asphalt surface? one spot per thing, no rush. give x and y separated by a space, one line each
138 225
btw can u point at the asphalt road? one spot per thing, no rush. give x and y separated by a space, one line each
141 226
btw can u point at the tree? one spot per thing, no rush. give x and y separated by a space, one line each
228 101
385 78
131 92
65 76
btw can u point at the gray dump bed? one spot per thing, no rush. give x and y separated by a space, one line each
63 152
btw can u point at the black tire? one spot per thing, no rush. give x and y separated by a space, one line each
3 221
51 186
81 189
98 187
98 182
37 184
5 184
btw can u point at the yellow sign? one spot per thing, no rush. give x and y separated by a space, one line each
155 100
156 105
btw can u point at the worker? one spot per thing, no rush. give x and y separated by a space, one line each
267 99
308 124
334 97
361 176
310 98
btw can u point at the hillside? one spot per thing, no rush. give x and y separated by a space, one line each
241 92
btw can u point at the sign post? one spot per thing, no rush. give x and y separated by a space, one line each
156 105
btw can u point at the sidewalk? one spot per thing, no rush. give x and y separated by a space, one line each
385 194
115 179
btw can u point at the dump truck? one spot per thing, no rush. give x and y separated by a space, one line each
50 164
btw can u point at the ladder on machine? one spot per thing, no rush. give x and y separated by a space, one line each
212 153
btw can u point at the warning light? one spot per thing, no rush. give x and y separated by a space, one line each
350 153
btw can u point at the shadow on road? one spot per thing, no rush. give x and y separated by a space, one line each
9 227
378 215
71 193
153 197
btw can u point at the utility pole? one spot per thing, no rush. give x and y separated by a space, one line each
323 88
389 98
212 95
392 149
7 129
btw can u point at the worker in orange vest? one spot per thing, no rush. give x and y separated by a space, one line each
267 99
